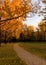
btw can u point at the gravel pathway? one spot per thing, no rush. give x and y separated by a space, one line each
27 57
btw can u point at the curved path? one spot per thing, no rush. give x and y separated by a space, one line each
27 57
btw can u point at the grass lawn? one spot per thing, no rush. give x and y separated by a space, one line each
37 48
8 56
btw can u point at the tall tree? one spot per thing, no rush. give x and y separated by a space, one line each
42 28
16 14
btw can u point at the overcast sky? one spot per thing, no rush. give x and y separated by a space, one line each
34 20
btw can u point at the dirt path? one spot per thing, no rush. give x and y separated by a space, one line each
27 57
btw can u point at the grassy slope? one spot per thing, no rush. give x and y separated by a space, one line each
8 56
37 48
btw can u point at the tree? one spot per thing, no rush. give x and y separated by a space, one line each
22 10
8 13
24 33
42 28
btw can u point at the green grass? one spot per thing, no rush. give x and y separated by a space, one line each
8 56
37 48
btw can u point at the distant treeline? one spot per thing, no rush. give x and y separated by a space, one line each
27 33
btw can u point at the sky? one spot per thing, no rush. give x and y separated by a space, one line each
34 20
34 1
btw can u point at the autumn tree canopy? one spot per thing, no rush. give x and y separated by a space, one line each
12 13
15 9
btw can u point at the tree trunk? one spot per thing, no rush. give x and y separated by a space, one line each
0 33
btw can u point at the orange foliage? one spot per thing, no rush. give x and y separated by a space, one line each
14 26
30 28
